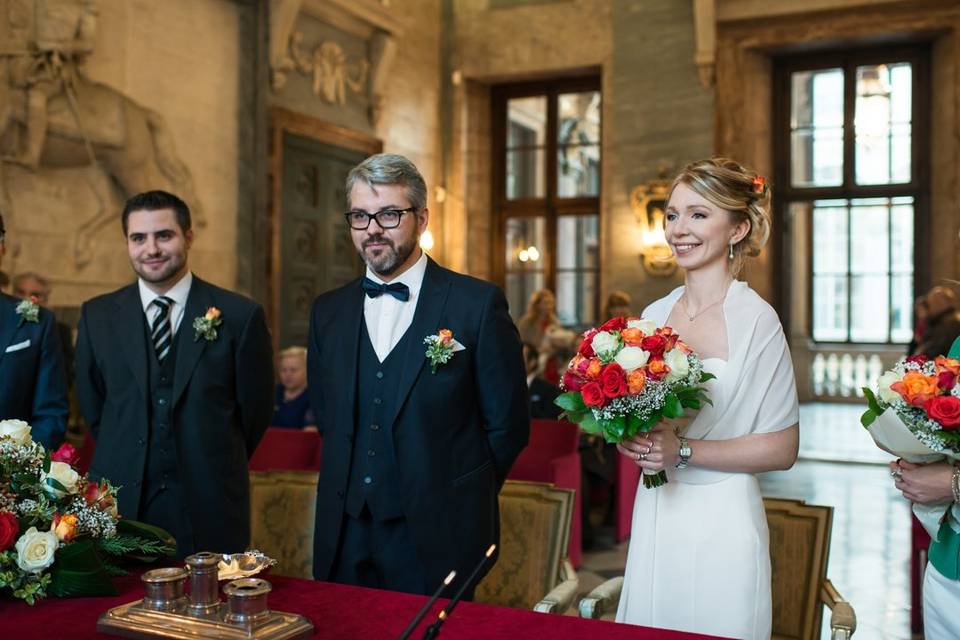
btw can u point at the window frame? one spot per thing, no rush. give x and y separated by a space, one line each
785 194
551 207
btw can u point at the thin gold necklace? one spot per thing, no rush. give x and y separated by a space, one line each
693 317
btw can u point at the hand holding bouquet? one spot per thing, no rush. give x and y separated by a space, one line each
57 527
627 376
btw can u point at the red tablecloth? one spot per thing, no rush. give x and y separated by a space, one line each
336 611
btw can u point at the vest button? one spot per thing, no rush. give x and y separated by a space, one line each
367 480
376 401
340 494
162 401
371 452
163 378
379 375
373 427
140 441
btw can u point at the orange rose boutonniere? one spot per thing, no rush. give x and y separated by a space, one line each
440 348
206 326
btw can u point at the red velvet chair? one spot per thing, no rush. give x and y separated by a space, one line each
552 456
287 449
628 479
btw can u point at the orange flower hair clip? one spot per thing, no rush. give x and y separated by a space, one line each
759 185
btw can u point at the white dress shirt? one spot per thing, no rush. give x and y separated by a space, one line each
178 293
388 318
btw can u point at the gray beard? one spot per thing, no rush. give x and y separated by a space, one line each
390 259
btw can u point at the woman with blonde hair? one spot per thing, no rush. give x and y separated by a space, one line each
618 305
682 574
536 327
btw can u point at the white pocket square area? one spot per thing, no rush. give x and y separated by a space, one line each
19 346
457 346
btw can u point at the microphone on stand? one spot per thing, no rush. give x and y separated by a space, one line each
434 629
426 608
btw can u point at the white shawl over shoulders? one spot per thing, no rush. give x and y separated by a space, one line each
755 391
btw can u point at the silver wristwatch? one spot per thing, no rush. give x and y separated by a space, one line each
685 453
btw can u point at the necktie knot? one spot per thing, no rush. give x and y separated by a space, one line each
163 304
398 290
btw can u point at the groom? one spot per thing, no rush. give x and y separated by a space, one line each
413 457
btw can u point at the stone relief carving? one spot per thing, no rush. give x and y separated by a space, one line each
331 69
52 117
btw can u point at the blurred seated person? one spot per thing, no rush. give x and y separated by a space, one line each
541 393
533 326
29 285
618 306
291 406
919 324
942 322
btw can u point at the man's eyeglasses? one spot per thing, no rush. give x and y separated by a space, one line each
387 219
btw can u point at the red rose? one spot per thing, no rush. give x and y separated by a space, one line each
654 345
571 382
592 395
946 380
918 359
9 528
614 324
66 453
586 347
945 410
614 381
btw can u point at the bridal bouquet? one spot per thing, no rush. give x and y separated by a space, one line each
923 421
628 375
57 528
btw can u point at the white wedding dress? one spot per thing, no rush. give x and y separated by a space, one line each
699 556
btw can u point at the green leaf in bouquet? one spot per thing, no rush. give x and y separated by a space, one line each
589 424
706 376
672 407
872 401
867 418
690 403
46 461
55 484
148 533
23 480
570 401
634 424
613 430
78 571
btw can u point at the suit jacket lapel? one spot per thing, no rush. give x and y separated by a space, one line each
188 349
8 323
426 321
128 323
347 340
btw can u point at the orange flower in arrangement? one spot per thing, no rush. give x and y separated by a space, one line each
947 365
593 369
65 527
916 388
684 347
656 369
445 335
632 337
636 381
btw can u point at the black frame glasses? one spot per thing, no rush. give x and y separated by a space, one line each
378 217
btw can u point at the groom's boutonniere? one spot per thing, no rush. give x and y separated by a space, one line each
440 348
28 310
206 326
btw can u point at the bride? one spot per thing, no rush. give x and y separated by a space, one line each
699 556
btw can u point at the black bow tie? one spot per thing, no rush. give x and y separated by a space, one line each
398 290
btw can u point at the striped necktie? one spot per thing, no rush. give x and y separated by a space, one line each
160 331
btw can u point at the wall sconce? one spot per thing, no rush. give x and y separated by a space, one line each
530 254
426 240
648 202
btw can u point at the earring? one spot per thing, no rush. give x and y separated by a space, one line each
730 255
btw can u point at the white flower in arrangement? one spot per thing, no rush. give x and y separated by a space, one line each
631 358
35 550
17 430
65 475
678 363
887 394
646 326
605 343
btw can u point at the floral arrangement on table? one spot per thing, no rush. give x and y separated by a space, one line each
628 375
922 424
60 533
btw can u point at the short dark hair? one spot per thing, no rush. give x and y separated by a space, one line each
155 201
532 352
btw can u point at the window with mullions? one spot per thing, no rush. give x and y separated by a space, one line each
547 191
848 150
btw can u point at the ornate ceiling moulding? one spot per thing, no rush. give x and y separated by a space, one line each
333 72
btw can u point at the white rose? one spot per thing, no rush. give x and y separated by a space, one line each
631 358
16 430
65 475
646 326
35 550
604 342
887 394
678 363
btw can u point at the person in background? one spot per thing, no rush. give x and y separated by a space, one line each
942 322
534 327
542 393
29 285
618 306
291 407
919 324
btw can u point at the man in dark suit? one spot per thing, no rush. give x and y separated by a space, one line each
175 379
414 455
32 378
33 286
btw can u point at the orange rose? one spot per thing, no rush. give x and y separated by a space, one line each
632 337
636 381
916 388
212 313
657 369
947 364
65 527
445 335
684 347
593 369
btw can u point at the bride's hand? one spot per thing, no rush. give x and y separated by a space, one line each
923 483
636 448
652 451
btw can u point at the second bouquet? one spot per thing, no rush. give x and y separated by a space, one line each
628 375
